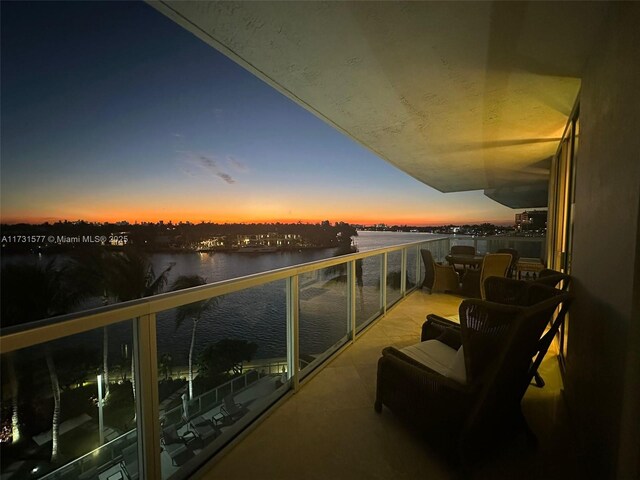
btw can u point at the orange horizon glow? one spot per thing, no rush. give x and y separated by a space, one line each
266 207
222 219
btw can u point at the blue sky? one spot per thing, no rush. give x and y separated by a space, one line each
110 111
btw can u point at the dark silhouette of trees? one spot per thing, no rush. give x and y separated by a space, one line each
33 292
226 356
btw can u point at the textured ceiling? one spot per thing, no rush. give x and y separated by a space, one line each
462 96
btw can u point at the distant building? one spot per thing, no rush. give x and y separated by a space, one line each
269 240
210 243
533 219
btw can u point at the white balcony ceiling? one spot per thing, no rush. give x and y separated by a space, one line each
461 96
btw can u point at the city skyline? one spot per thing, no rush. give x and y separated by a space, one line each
133 118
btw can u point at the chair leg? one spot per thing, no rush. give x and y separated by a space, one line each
538 379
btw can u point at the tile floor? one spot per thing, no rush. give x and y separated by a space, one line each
329 430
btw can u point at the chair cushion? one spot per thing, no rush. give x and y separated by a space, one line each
457 369
440 358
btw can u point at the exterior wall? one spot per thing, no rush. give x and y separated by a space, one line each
603 380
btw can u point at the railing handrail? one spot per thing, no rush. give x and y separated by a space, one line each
518 238
41 331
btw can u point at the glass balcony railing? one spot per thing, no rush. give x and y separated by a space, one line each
527 247
188 370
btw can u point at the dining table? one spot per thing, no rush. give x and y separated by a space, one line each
466 260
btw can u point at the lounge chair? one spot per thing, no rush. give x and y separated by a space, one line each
232 410
130 461
202 428
175 444
463 384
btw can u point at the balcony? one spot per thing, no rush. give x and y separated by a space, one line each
330 430
328 324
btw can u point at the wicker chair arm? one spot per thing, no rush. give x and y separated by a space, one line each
554 279
439 328
433 319
435 326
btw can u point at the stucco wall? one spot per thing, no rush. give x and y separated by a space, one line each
602 389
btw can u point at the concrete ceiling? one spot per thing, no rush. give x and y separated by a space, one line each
461 96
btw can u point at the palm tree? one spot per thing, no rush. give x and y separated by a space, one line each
33 292
89 273
129 275
117 277
193 311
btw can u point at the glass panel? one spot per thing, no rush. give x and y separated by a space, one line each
394 265
483 246
368 304
411 267
527 248
323 320
236 349
462 241
56 421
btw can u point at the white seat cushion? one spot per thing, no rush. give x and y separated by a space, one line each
457 369
440 358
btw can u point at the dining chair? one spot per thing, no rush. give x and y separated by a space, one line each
493 265
438 278
515 256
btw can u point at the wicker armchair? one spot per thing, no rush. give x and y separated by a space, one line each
501 348
438 278
493 265
516 292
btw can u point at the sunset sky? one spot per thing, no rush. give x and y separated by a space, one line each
110 111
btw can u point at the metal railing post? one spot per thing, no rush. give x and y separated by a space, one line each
146 395
403 272
293 340
383 283
351 299
418 266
